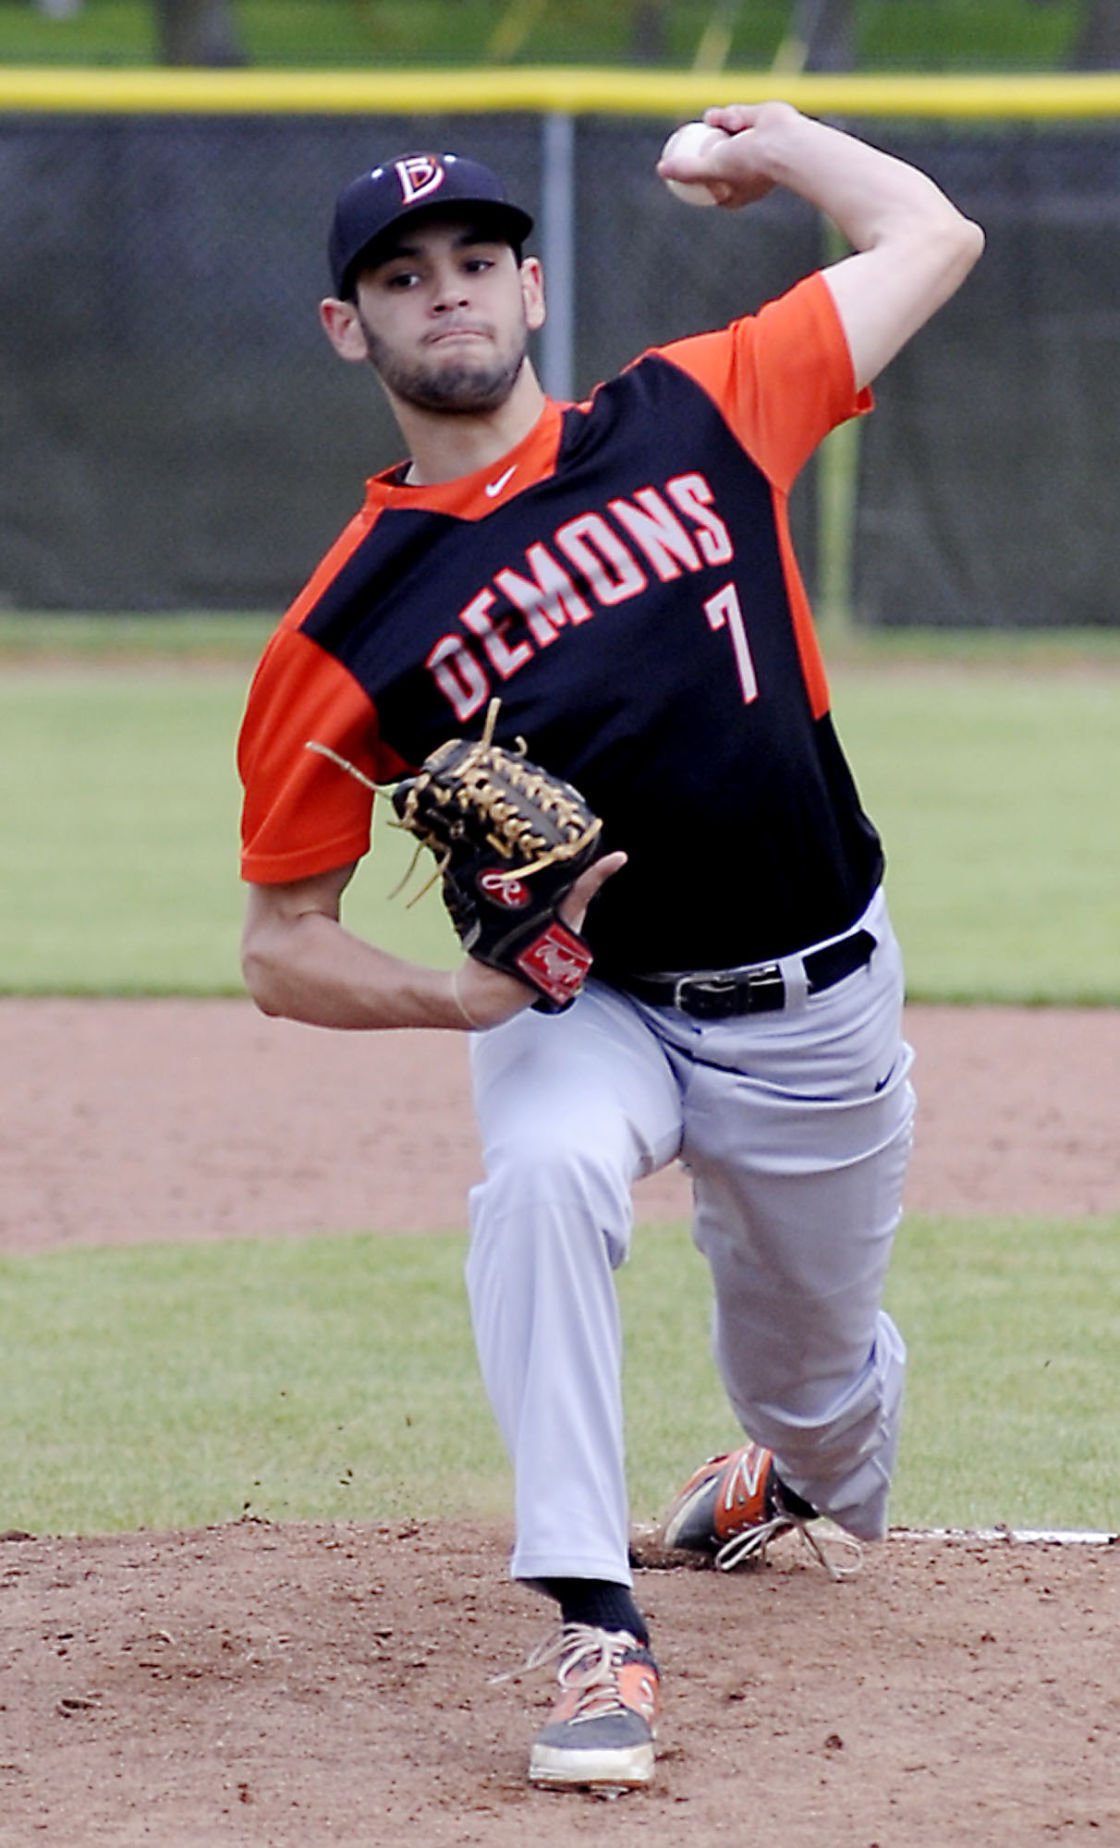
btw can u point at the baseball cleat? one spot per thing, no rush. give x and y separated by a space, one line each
600 1733
732 1508
729 1508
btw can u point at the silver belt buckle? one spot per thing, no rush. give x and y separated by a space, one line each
702 995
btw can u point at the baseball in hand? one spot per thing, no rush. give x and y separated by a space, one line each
694 138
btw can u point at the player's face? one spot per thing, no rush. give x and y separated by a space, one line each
447 317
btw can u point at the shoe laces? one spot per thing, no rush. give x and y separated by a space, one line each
841 1556
587 1661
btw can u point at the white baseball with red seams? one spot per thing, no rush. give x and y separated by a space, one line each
694 138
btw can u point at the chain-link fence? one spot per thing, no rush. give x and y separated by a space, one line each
178 435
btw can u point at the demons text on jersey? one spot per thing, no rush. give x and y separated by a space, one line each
592 562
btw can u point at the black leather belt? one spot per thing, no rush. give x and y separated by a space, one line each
721 993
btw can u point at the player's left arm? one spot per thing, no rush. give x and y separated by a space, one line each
913 248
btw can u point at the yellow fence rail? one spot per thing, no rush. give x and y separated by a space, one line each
553 89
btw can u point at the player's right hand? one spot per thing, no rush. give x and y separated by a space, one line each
573 908
743 163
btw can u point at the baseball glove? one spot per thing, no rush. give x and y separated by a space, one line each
510 840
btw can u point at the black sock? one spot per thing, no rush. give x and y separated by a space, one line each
780 1497
597 1602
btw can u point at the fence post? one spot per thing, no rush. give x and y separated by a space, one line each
837 503
558 253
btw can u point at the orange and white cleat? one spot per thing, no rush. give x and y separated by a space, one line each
600 1734
730 1507
734 1505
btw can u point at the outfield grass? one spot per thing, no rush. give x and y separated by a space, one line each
119 838
993 787
994 795
334 1379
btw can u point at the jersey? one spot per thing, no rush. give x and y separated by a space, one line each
624 582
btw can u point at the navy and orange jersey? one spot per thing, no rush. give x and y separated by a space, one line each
624 583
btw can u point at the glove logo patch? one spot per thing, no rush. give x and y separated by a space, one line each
556 963
514 894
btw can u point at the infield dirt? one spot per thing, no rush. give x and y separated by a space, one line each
297 1685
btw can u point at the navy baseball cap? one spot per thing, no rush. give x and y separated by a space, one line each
380 200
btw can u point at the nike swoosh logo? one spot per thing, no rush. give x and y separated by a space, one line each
495 487
884 1082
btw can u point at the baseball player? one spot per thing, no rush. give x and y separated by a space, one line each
619 575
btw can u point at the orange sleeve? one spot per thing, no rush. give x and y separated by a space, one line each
782 378
303 814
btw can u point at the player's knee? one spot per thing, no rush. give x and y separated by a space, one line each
550 1171
557 1157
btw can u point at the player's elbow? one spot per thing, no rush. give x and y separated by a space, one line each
263 966
259 977
968 242
957 246
942 252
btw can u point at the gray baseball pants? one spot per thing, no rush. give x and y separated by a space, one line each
795 1127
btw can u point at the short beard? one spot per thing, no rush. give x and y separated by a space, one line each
461 390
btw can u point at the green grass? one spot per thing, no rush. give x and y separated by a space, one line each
989 766
118 838
176 1386
1013 1327
119 809
333 1379
937 34
994 793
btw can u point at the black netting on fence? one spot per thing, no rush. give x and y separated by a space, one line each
987 476
177 434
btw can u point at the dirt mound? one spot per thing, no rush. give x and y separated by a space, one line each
303 1685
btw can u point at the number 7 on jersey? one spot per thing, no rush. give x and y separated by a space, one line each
725 611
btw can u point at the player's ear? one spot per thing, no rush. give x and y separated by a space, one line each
340 323
532 292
